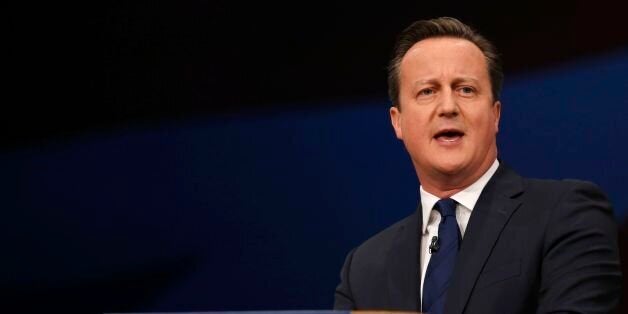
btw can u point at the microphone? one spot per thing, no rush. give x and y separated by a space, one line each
434 246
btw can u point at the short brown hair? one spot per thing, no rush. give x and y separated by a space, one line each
442 27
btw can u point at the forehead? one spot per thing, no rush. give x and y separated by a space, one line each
443 56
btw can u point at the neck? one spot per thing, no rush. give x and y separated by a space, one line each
445 185
442 192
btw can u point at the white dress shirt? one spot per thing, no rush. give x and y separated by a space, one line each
466 200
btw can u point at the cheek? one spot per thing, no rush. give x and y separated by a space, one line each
416 136
414 126
416 119
484 122
491 125
485 131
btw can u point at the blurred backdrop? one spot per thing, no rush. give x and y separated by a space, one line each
213 155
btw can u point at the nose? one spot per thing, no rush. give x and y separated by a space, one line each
448 107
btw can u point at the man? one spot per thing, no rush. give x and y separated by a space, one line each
483 239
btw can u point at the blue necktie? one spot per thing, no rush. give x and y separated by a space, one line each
442 262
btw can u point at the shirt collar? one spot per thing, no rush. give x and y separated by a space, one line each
467 197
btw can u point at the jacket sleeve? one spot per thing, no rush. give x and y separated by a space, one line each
343 298
580 271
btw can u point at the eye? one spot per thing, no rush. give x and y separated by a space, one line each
426 92
466 90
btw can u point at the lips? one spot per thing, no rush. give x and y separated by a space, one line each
449 135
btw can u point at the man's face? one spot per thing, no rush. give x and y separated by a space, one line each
447 118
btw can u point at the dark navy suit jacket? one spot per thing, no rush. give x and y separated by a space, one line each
531 246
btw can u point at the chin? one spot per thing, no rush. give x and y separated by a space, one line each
450 170
450 167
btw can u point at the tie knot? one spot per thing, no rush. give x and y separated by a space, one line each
446 207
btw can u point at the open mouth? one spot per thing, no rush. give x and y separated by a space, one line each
449 135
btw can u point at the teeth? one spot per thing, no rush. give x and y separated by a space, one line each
449 137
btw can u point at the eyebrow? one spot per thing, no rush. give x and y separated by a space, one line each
466 79
457 80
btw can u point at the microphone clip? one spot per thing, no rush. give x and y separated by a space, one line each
434 246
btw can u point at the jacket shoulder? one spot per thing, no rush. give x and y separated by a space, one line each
558 188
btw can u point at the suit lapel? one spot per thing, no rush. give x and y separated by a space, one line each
491 213
403 266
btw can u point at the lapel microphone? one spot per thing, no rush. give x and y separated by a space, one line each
434 246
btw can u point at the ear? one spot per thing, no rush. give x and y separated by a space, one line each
497 108
395 120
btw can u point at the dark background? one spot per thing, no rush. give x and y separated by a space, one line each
79 67
225 156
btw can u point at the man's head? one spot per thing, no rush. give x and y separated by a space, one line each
442 27
444 82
